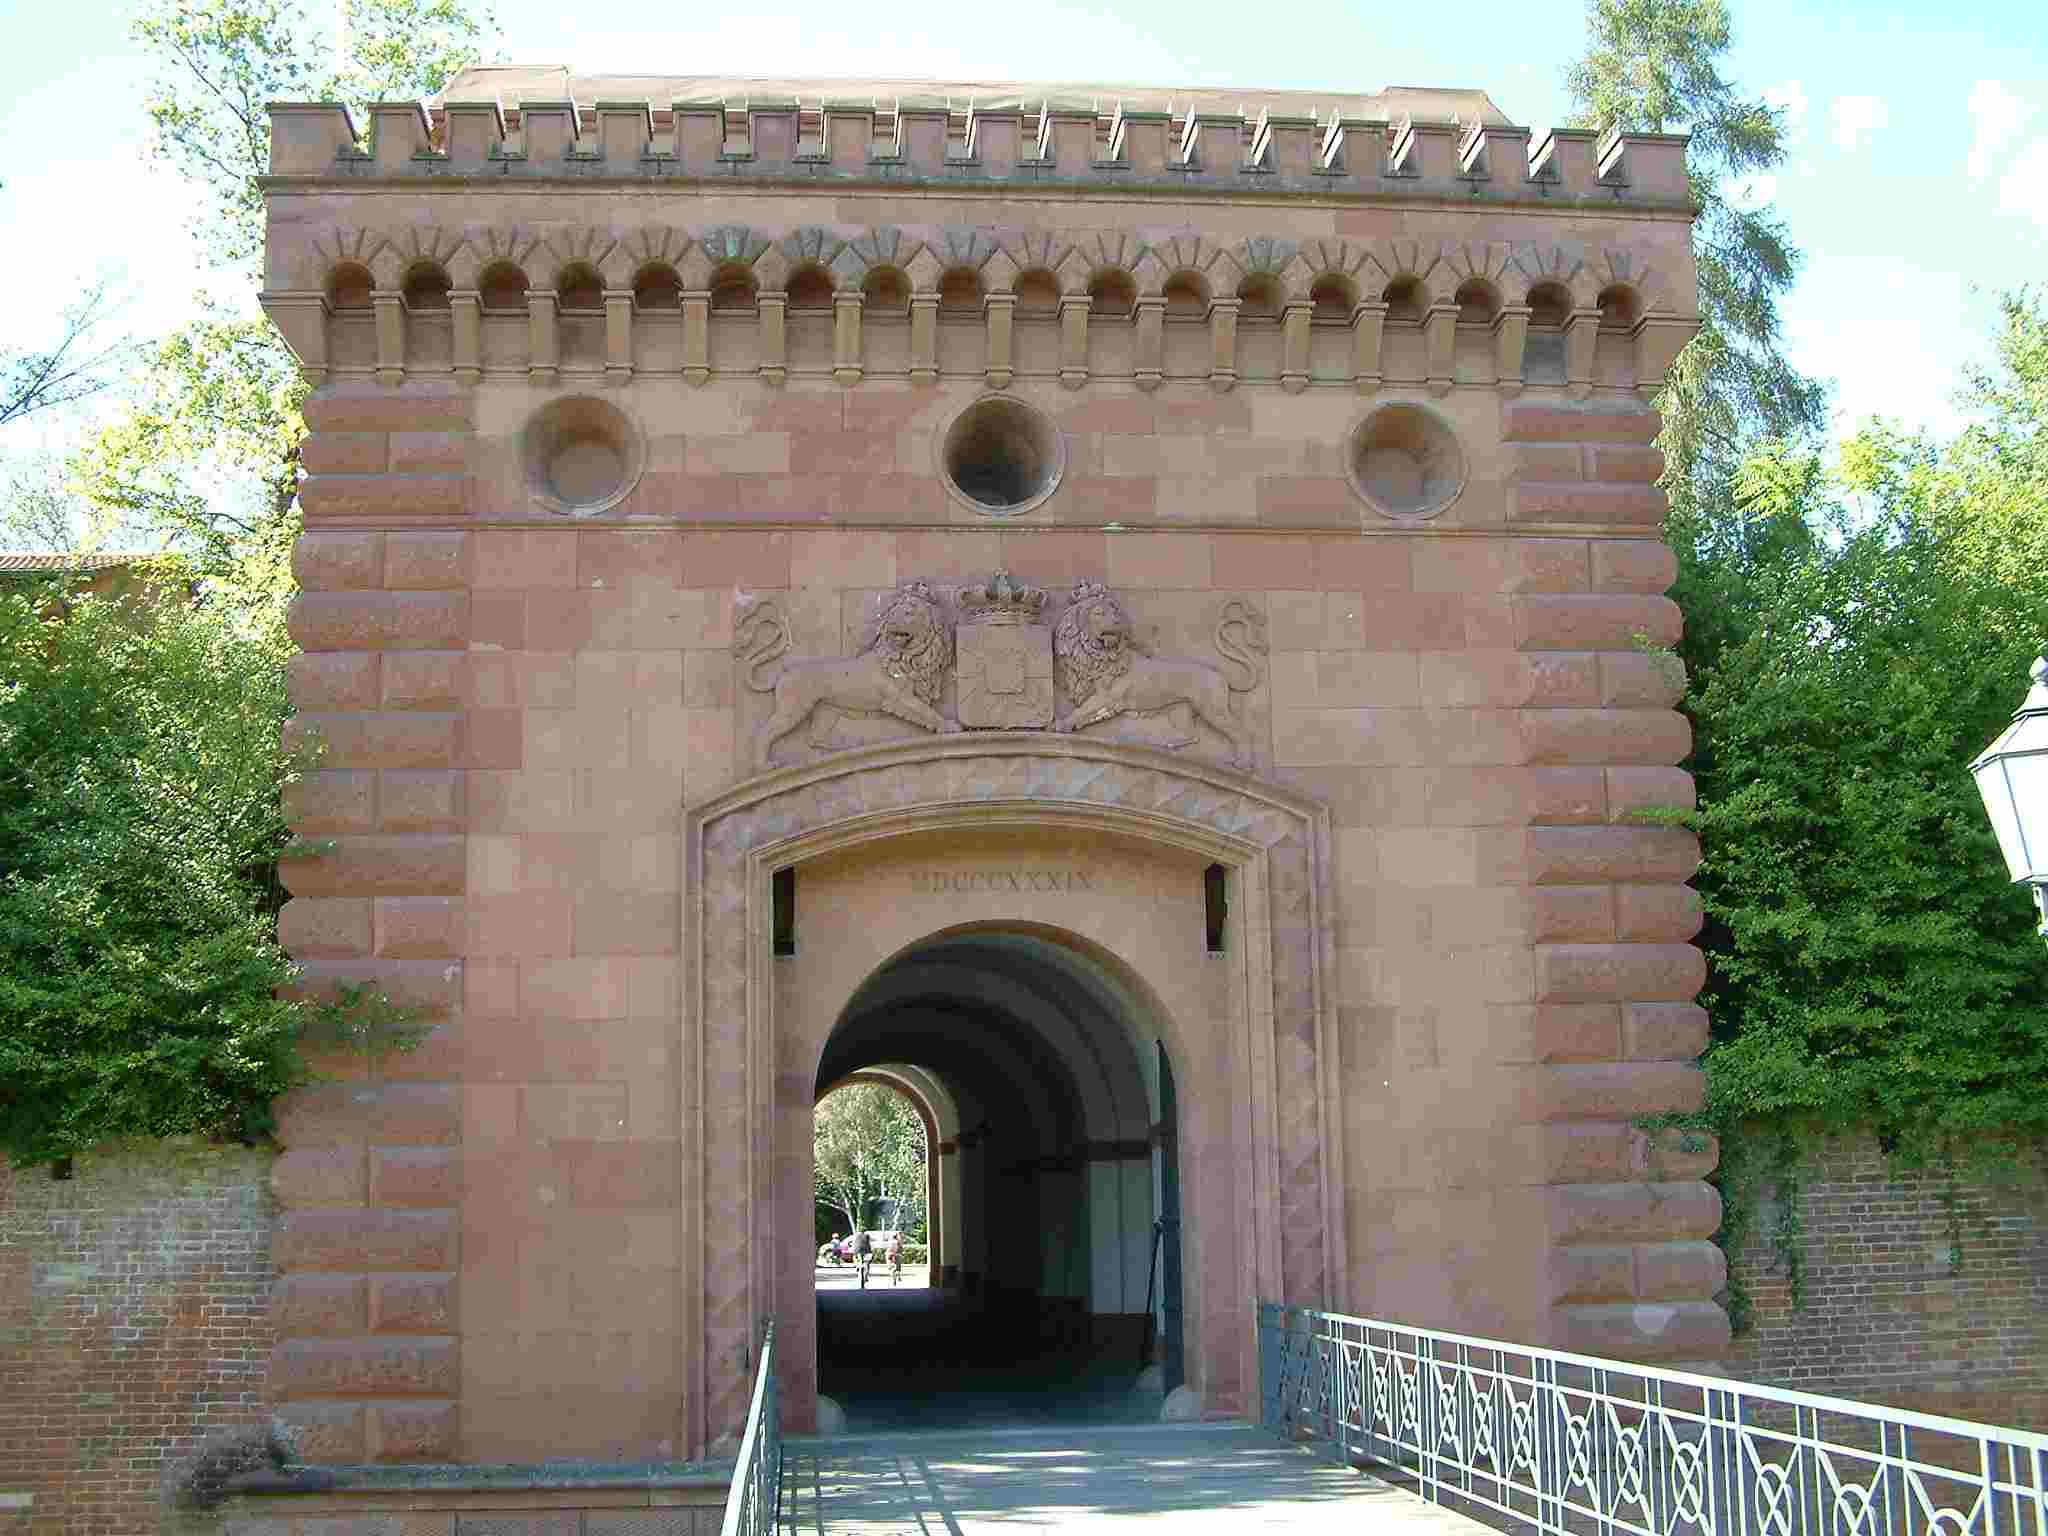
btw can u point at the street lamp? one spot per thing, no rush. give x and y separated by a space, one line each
2012 776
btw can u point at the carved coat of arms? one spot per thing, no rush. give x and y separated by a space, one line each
1010 669
1003 664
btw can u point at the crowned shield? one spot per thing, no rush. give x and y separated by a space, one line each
1005 676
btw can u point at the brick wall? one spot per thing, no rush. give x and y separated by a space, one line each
134 1322
1887 1314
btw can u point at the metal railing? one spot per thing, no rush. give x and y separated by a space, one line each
752 1503
1567 1443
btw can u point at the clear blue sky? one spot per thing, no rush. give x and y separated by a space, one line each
1917 185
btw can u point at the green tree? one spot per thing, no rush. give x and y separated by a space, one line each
77 365
221 62
868 1146
140 769
140 775
205 448
1653 66
206 452
1872 969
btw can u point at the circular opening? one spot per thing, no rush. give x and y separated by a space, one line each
658 287
1258 297
582 455
1111 292
1549 307
1001 456
810 288
1332 299
426 287
1406 462
502 286
1619 308
349 286
1404 300
960 289
885 288
1187 294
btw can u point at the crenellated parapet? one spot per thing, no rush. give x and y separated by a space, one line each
1073 146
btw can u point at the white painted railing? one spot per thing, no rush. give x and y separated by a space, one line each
1565 1443
752 1503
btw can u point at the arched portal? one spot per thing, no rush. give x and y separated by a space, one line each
1044 1043
935 1104
1085 848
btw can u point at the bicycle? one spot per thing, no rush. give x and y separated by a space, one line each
867 1262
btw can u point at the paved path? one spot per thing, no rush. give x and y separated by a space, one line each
1191 1480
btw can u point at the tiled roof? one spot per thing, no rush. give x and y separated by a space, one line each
68 562
514 83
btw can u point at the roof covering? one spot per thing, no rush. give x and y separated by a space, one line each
511 84
67 561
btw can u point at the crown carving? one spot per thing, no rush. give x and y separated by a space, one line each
1001 600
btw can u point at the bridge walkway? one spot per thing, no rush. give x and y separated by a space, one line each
1190 1480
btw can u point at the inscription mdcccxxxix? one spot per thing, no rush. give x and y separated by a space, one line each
942 882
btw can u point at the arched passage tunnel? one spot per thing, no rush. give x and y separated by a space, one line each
1045 1067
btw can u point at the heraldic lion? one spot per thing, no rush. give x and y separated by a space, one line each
898 672
1107 673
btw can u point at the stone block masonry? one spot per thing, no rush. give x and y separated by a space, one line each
1914 1295
134 1324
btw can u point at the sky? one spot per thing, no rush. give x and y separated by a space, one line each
1917 184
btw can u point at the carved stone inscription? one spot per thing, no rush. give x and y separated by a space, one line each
968 882
1007 667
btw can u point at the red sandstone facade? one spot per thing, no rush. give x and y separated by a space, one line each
599 391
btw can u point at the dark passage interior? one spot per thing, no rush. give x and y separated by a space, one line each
1039 1073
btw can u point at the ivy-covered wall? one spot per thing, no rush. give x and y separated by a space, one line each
1912 1290
134 1323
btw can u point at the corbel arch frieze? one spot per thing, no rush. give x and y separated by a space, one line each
726 243
412 245
772 268
514 246
999 273
1280 1082
883 247
590 246
652 245
1418 261
925 271
344 245
1167 259
1047 249
1565 265
1108 251
1486 262
1621 266
1264 254
809 245
963 246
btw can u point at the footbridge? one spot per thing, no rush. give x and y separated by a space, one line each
1374 1426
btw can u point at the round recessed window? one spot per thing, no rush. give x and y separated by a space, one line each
1001 456
582 455
1405 461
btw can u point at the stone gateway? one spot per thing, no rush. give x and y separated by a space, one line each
1117 613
